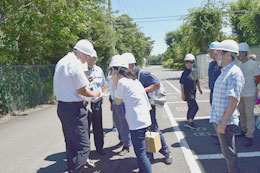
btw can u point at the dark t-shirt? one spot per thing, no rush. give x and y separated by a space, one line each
213 73
189 79
146 78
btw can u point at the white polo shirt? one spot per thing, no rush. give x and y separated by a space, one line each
68 78
136 103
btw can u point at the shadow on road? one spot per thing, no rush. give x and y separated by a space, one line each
58 167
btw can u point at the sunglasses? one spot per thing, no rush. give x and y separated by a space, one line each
189 62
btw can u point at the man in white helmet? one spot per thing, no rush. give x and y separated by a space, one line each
69 86
96 83
252 56
150 84
214 68
251 72
226 95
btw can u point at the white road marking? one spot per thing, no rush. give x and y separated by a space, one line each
220 156
190 159
172 86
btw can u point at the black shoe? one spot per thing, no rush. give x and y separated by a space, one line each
124 151
249 142
168 159
101 152
191 125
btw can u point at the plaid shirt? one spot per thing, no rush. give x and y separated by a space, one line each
229 83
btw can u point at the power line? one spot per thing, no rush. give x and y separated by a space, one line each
160 17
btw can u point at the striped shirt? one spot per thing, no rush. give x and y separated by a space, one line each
229 83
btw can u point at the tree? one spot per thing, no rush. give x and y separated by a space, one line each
249 24
238 10
130 39
205 24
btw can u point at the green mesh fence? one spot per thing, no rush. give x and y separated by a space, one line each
23 87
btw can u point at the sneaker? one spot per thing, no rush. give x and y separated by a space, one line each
90 164
168 159
191 125
124 152
249 142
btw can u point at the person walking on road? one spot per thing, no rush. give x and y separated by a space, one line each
150 84
251 72
119 113
189 82
214 68
132 93
226 95
70 83
96 83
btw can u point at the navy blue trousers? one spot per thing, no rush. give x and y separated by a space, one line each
73 117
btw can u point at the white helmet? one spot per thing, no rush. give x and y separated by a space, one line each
189 57
85 47
214 45
229 45
118 61
243 47
94 54
130 57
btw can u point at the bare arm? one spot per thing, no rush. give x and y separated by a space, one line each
84 91
151 88
232 104
182 93
198 85
257 80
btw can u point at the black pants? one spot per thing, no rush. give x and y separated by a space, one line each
73 117
95 118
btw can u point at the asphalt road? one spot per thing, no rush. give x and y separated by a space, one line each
34 142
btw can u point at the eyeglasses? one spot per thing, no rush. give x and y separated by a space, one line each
189 62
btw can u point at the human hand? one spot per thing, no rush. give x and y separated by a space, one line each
200 91
90 79
221 128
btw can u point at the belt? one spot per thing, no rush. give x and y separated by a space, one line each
79 102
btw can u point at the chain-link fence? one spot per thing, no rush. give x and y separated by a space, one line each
23 87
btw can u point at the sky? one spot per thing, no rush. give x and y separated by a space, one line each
158 8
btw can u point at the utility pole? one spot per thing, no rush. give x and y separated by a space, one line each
111 22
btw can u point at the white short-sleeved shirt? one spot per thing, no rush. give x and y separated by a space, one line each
136 103
250 69
68 78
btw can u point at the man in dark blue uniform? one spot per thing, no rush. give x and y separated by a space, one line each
150 84
214 68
